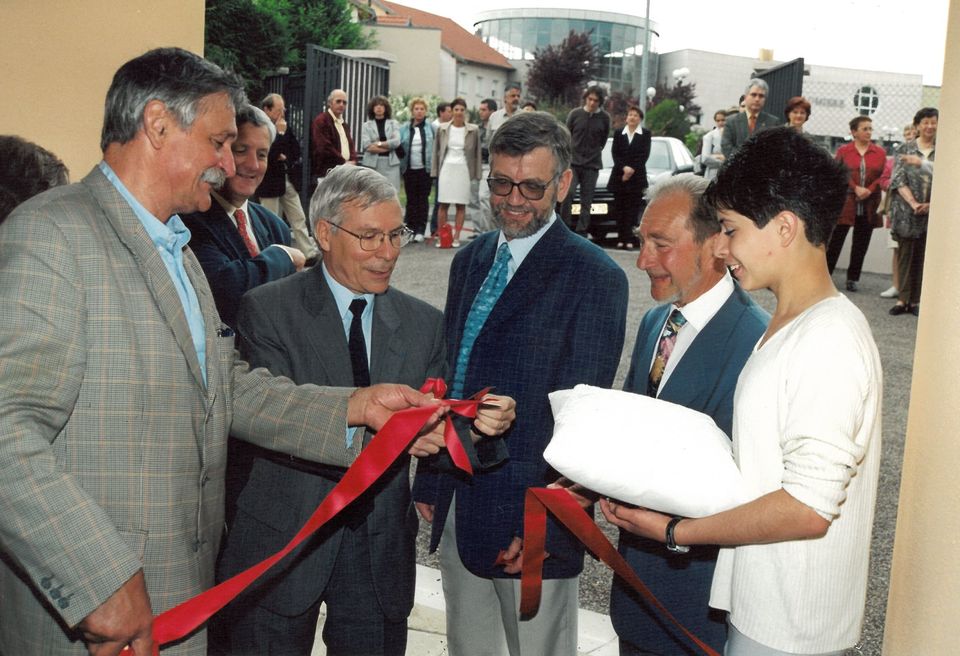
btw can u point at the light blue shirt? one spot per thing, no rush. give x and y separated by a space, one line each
170 239
343 298
520 247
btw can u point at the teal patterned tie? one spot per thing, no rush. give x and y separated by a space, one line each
483 303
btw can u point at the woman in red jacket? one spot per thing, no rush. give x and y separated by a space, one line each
865 161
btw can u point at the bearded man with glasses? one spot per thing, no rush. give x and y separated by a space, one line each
531 308
339 323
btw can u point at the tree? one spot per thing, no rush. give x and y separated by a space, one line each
243 38
683 94
560 72
255 37
665 119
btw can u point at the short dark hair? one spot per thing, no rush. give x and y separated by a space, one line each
794 103
527 131
596 90
458 102
529 103
778 170
26 170
490 103
176 77
442 107
379 100
926 112
857 120
635 108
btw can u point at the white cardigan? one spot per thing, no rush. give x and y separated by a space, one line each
806 419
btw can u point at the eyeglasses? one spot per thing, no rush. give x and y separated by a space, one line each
373 239
529 189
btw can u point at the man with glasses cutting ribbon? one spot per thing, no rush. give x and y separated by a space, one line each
339 323
531 308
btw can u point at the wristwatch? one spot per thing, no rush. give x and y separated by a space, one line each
671 542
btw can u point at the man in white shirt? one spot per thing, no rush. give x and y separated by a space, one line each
719 326
806 425
511 101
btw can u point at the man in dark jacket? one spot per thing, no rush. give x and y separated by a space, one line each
589 126
279 191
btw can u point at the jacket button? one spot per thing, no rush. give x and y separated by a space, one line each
63 603
46 582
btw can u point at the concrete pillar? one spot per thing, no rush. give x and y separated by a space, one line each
924 601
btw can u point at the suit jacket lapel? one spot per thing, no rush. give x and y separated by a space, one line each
528 281
264 238
222 223
134 237
387 349
700 367
327 338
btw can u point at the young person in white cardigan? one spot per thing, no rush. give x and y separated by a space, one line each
806 424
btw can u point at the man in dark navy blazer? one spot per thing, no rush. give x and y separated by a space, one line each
559 321
723 324
241 244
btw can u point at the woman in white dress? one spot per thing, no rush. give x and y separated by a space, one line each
456 161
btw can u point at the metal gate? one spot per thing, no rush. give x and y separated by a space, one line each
786 81
306 94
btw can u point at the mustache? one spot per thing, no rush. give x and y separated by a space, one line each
214 176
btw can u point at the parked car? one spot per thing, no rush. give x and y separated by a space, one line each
668 156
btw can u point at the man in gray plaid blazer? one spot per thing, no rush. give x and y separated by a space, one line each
119 383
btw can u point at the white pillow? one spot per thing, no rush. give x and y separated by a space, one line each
645 451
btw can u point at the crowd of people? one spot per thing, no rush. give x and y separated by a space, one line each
147 459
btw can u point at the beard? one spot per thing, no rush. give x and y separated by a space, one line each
516 230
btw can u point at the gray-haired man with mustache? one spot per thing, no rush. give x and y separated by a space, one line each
119 383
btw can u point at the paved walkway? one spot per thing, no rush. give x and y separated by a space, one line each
428 631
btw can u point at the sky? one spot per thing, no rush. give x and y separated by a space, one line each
897 36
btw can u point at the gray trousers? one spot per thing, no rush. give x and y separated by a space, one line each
483 615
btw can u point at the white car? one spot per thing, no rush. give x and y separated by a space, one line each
668 156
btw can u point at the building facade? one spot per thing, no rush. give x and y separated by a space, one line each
518 33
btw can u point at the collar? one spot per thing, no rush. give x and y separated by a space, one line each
339 120
170 236
521 246
228 207
344 296
626 130
701 310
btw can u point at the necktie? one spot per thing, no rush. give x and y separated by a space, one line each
483 303
752 123
244 234
358 346
664 349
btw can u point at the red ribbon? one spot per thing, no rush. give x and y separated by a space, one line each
387 445
559 502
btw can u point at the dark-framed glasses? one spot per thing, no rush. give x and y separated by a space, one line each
529 189
371 240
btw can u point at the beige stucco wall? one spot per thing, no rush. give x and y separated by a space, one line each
924 600
416 70
59 57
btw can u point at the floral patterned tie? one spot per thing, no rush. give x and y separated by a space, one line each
664 350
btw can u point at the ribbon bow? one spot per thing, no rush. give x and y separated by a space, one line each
387 445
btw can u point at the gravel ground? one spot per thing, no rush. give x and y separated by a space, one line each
422 271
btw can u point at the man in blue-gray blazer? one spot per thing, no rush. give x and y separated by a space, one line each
239 243
558 321
719 327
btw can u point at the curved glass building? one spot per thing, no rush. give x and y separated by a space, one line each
517 33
